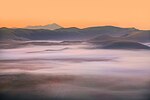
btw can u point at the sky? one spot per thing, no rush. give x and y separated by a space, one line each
75 13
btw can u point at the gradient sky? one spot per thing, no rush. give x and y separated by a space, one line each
77 13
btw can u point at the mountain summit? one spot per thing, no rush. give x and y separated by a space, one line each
52 26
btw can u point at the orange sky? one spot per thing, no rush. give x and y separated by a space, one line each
78 13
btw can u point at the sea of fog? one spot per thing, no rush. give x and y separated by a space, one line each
73 72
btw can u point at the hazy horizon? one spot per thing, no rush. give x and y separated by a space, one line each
73 26
76 13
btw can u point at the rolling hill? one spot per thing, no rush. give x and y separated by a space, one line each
141 36
125 45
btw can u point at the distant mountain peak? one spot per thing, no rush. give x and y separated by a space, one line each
52 26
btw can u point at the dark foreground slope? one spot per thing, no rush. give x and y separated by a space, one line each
125 45
109 42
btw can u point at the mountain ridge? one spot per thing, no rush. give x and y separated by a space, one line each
52 26
75 34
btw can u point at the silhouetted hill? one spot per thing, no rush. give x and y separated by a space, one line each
70 29
118 44
9 34
109 30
